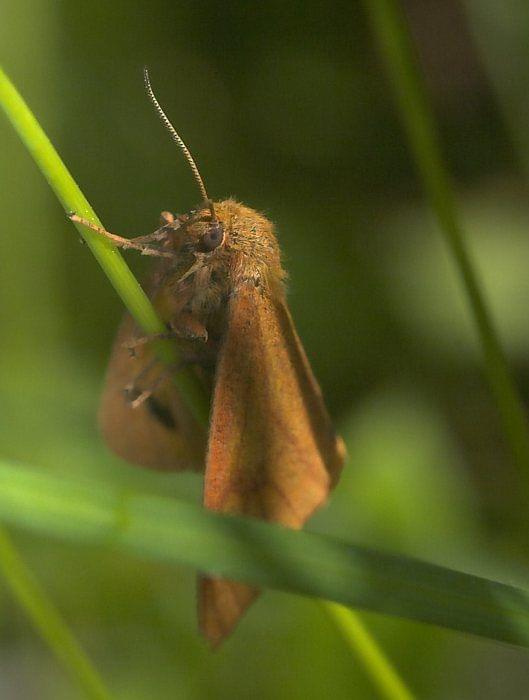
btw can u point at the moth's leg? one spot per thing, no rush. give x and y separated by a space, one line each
187 327
159 235
190 330
184 327
134 343
131 387
140 243
169 225
136 396
167 218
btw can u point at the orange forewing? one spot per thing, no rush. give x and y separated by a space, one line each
161 433
272 451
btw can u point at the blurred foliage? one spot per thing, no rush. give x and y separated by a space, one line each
286 107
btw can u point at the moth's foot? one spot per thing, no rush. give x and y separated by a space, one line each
134 343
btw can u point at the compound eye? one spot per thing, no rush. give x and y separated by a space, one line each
213 237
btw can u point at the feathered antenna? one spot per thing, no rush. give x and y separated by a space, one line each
176 138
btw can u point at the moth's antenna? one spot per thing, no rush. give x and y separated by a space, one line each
176 138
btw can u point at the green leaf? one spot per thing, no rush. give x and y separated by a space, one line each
262 554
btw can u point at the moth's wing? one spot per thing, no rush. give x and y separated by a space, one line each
160 433
272 452
221 604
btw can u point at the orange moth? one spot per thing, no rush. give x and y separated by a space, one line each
271 451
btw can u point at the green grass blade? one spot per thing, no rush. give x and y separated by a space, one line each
391 31
48 621
263 554
362 643
119 274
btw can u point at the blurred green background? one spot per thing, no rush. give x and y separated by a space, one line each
286 107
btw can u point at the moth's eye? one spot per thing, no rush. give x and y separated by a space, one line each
213 237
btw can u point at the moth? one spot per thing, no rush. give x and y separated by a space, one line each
271 451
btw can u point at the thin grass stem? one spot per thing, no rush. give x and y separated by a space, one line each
48 621
392 33
362 643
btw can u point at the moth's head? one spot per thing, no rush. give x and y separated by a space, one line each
204 231
228 227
